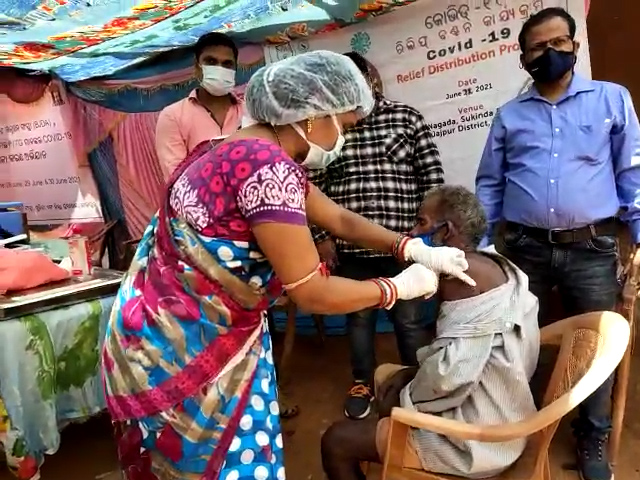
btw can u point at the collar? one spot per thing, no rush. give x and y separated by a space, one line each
193 97
578 84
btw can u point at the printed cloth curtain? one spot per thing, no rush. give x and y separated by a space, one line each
140 179
121 153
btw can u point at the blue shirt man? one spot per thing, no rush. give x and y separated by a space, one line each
562 160
563 164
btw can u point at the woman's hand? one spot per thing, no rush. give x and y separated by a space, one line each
414 282
442 260
327 252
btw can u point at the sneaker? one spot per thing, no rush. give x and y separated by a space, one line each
359 400
593 459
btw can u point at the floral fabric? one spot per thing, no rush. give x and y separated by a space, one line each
237 184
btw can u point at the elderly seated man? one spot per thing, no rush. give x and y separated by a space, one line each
478 368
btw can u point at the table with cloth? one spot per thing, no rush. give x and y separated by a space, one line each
49 377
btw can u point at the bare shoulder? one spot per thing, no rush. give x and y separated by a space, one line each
486 272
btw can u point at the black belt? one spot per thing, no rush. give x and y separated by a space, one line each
608 226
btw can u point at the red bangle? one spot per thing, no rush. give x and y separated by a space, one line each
384 294
388 292
394 292
398 247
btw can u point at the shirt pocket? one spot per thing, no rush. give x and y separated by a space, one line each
398 150
592 141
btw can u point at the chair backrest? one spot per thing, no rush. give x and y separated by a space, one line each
98 242
591 347
630 292
630 277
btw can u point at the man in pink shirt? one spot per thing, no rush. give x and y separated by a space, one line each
210 111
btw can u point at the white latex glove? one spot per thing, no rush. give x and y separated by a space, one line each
442 260
414 282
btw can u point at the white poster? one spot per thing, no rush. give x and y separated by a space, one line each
39 166
455 62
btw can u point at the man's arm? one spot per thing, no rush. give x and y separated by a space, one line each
320 179
170 146
426 158
625 150
490 179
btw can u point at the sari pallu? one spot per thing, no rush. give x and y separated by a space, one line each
188 368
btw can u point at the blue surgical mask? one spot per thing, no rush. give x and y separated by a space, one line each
427 237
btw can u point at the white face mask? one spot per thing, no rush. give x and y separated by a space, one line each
318 158
218 81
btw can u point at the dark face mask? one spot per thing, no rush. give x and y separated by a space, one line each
551 66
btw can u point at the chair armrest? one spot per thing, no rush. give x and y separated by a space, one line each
460 430
630 293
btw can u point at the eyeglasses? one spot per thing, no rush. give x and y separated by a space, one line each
562 42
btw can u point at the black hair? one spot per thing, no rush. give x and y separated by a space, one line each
541 17
360 62
214 39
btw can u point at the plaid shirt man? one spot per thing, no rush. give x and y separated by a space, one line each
388 162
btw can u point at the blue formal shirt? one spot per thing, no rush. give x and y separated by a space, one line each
566 164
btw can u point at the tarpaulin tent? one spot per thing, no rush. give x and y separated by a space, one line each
81 39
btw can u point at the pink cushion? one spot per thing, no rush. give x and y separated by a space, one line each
23 269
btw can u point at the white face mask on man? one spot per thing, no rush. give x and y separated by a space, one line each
218 81
319 158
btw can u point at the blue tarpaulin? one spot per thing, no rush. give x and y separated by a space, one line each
82 39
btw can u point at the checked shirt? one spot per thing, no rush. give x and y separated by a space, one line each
388 162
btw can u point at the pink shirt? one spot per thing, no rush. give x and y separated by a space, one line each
185 124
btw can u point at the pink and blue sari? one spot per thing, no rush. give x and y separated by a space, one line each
188 364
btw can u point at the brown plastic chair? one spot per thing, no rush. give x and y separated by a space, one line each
98 243
630 294
591 347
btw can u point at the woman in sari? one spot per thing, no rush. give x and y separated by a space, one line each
188 366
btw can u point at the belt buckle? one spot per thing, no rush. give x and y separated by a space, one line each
550 235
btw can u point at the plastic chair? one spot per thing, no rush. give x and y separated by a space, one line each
630 294
591 347
98 243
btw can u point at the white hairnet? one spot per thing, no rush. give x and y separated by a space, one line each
313 84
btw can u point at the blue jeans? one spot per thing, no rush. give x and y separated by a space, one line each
406 317
585 274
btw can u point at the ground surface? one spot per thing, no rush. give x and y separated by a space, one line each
321 375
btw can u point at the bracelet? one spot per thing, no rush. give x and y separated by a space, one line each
290 286
388 292
394 292
385 294
397 250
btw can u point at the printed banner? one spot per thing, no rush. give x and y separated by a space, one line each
39 165
455 61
